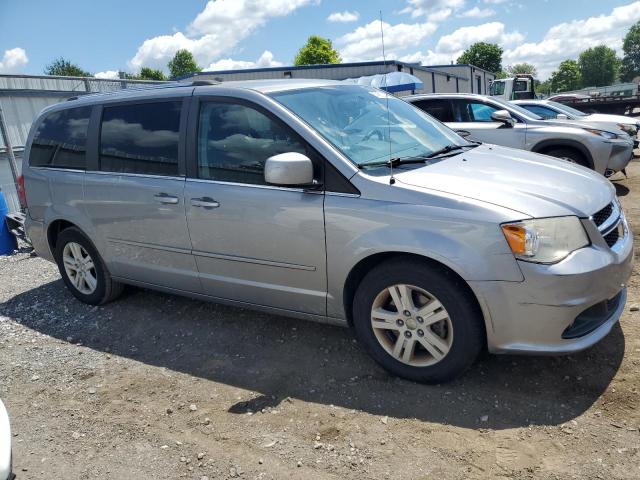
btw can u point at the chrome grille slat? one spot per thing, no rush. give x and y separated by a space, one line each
607 220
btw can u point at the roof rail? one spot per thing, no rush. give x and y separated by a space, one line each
202 83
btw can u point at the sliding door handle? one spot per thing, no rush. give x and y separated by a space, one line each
204 202
166 198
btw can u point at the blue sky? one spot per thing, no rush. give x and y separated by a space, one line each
104 37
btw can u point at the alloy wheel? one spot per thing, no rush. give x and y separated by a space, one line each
80 268
411 325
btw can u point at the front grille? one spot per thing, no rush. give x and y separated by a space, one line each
612 237
602 215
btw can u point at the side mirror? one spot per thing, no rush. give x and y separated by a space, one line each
504 117
289 169
562 116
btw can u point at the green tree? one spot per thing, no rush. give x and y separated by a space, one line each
484 55
317 51
599 66
522 68
63 67
147 73
182 64
630 67
566 78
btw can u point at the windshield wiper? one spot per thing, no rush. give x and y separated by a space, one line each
394 162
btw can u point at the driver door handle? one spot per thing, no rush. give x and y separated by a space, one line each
166 198
204 202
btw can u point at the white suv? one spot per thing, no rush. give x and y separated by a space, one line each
495 121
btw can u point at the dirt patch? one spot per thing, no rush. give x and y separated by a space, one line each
157 386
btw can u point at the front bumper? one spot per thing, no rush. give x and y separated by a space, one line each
534 315
621 155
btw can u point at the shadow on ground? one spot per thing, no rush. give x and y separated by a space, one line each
279 358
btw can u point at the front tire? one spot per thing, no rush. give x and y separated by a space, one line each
83 270
570 155
418 321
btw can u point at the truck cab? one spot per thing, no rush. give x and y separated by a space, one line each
519 87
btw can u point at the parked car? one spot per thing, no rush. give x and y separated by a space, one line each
496 121
569 96
329 202
5 444
550 110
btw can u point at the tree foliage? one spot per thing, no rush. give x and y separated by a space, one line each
522 68
182 64
317 51
566 78
484 55
630 67
599 66
63 67
147 73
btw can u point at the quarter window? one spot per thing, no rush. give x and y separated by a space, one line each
141 138
61 139
234 142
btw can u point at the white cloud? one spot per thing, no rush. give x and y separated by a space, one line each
13 60
364 43
265 60
566 40
108 74
434 10
494 2
477 12
462 38
451 46
343 17
215 31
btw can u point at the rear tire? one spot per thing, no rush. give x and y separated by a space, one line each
83 270
434 336
569 155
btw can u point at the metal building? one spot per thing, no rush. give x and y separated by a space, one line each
440 79
22 97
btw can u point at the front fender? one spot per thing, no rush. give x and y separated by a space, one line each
357 228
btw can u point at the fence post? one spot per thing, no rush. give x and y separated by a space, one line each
7 144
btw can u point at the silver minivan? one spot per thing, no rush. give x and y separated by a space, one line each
334 203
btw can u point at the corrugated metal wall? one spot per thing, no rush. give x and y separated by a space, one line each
6 180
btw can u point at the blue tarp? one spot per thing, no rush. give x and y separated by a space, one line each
391 82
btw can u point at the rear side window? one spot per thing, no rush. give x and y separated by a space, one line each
234 142
141 138
440 109
61 140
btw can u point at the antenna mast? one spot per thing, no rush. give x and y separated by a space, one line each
384 80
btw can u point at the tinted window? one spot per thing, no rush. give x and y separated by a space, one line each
61 139
440 109
141 138
234 142
472 111
543 112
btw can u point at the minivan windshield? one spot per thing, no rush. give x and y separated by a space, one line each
355 120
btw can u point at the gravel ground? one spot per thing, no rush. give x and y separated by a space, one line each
154 386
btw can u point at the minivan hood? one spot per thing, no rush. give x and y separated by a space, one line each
532 184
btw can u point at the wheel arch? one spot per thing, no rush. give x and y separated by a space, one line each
548 145
360 269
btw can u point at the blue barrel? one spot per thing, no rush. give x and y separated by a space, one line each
7 240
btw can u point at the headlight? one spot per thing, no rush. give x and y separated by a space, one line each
545 240
628 128
602 133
